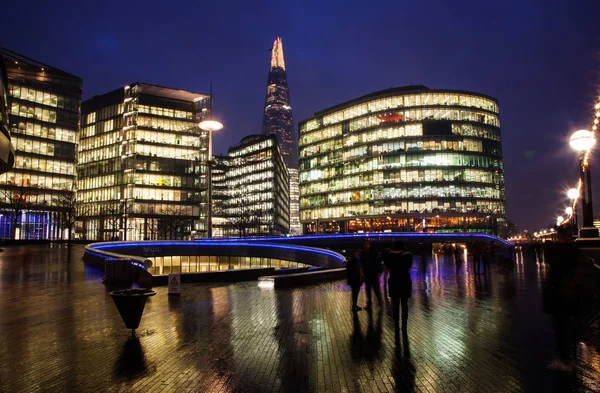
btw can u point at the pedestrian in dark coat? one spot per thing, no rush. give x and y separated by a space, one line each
399 262
355 277
476 251
372 268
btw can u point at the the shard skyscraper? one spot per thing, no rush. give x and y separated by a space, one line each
277 120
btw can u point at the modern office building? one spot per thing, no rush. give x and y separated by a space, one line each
278 121
142 169
44 105
251 190
403 159
7 151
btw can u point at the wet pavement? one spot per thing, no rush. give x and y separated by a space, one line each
59 331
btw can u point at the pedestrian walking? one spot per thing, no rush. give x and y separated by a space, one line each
385 273
486 256
372 268
355 277
399 262
476 253
458 257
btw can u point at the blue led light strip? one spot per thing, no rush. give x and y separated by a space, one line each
109 246
358 235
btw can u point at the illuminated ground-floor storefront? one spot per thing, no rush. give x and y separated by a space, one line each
193 264
31 225
467 224
136 228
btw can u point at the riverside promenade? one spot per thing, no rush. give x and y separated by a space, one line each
60 331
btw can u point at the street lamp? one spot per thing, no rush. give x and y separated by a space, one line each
210 126
583 141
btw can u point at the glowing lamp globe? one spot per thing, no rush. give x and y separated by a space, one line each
569 211
573 193
582 140
210 125
560 219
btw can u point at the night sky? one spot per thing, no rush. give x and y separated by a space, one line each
540 58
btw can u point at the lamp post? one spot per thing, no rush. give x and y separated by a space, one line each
573 194
583 141
210 126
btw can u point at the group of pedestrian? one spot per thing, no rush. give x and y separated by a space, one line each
365 265
482 253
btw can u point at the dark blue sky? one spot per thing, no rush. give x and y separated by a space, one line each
541 59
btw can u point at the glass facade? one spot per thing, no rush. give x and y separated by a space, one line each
251 194
142 169
194 264
403 159
44 105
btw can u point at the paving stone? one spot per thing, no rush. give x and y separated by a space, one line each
60 331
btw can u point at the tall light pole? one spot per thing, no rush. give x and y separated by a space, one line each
583 141
210 126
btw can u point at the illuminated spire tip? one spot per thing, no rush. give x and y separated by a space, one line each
277 54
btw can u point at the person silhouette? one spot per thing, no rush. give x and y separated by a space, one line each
399 262
355 277
372 268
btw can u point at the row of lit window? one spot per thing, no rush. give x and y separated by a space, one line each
44 98
238 152
53 133
433 192
33 146
104 153
162 124
54 182
244 187
403 176
159 111
103 140
167 138
104 113
252 177
260 166
400 101
43 165
98 182
33 112
420 115
395 146
161 180
37 200
120 208
310 169
160 194
407 207
182 153
372 135
95 168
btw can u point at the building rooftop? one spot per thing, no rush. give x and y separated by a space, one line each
19 59
168 92
391 92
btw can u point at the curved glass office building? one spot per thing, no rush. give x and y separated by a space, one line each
407 159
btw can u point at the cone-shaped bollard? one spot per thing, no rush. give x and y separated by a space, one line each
130 303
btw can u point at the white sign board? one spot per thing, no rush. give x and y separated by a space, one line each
174 284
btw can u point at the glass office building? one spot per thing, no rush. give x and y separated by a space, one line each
251 190
142 164
403 159
44 109
7 151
